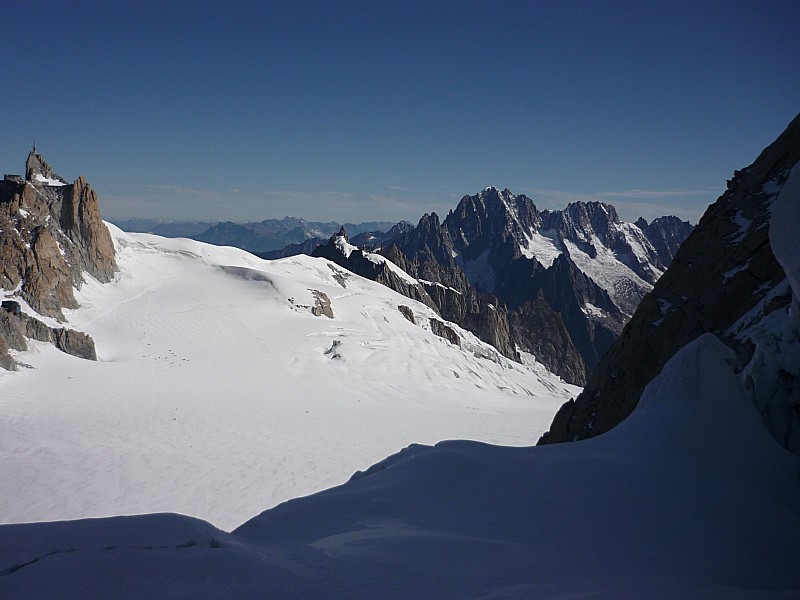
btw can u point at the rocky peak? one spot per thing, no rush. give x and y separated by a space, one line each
429 241
497 245
489 218
53 234
666 234
583 222
37 169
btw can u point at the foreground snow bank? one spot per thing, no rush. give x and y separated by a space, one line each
690 497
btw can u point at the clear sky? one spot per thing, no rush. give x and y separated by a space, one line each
353 111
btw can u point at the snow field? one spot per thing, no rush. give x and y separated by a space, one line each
213 395
689 497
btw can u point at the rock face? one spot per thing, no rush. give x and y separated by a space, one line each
339 251
725 279
558 284
52 234
444 331
322 304
15 330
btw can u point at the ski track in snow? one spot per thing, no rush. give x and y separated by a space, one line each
213 395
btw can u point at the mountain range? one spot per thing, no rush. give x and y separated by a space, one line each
556 284
267 236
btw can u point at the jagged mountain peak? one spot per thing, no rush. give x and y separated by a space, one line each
37 171
52 235
508 253
489 217
429 221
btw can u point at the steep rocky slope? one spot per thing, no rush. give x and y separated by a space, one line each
52 237
727 280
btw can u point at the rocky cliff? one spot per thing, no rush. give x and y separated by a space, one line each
560 284
52 237
727 280
557 284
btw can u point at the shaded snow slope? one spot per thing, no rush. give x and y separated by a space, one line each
655 508
783 228
218 394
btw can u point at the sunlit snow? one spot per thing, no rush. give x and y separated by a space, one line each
623 285
689 497
542 246
47 180
217 393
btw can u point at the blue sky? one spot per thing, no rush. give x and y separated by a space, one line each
353 111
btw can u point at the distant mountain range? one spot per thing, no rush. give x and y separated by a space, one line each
258 237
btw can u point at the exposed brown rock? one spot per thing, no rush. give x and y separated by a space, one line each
50 235
15 330
82 223
48 281
322 304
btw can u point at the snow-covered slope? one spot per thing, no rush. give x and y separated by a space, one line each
218 393
653 509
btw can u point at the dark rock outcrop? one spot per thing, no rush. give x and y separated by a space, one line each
16 330
725 280
547 338
407 313
445 331
338 250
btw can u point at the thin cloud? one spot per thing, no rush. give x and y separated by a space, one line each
688 204
637 193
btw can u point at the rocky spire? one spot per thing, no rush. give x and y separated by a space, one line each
36 168
53 234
